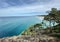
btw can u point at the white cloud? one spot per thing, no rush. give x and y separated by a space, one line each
29 10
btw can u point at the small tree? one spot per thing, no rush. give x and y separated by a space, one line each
51 17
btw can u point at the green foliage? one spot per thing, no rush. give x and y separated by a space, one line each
57 28
32 30
53 15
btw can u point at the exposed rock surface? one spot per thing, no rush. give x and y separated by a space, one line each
29 38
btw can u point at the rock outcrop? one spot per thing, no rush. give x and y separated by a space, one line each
29 38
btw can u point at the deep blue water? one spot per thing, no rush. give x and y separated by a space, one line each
10 26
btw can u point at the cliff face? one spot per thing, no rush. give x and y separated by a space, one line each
29 38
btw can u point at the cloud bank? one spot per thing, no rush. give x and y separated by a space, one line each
27 7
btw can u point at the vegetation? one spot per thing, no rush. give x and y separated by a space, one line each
53 16
33 29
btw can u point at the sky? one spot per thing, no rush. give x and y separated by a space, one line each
27 7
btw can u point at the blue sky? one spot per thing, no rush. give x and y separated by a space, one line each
27 7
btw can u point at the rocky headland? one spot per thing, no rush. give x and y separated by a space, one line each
30 38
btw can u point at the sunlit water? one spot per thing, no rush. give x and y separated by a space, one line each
10 26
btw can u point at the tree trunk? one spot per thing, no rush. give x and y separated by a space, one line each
50 27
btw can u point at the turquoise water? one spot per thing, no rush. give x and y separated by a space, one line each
10 26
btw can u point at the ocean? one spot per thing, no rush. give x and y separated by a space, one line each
12 26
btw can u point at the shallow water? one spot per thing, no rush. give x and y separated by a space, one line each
10 26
